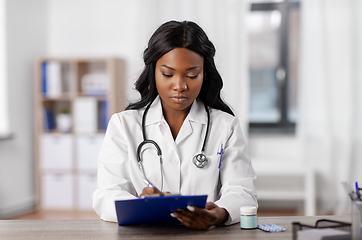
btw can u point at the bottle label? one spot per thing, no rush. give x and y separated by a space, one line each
248 222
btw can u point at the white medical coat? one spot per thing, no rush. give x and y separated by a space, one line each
120 177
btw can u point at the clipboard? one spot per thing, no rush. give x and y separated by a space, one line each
155 210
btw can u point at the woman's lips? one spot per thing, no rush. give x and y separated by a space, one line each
179 99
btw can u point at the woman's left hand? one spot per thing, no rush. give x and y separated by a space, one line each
202 218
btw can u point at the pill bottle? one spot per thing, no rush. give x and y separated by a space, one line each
248 218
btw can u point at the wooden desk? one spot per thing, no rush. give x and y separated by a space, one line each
98 229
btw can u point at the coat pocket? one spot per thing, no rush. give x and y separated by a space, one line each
205 179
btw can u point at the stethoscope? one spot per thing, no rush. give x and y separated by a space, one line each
199 159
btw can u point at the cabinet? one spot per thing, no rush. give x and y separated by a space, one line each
74 99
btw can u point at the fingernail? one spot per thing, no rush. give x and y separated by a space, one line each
191 208
173 215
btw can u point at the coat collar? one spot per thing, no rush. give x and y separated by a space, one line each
197 112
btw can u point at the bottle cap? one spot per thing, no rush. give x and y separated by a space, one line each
248 210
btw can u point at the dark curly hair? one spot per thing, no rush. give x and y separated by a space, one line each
188 35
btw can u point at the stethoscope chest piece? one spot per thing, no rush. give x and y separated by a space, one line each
200 160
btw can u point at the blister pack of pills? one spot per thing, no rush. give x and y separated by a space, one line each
271 228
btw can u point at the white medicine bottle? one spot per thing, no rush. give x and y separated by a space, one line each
248 217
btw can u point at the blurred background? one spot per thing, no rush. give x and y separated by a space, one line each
291 70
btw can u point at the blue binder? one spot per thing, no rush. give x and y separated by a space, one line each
155 210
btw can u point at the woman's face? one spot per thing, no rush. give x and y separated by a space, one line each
179 75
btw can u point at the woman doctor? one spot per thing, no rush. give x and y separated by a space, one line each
182 118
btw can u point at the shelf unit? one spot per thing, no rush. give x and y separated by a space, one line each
86 92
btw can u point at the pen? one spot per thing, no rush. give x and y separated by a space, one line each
221 152
150 184
349 190
357 188
358 192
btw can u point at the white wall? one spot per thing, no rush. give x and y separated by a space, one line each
123 27
98 28
26 39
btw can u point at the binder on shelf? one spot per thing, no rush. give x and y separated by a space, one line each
85 115
44 79
66 77
104 115
52 81
49 122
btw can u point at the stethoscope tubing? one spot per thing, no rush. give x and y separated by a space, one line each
196 161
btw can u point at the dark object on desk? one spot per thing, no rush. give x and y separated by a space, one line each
324 223
155 210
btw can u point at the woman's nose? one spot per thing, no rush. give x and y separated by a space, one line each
180 84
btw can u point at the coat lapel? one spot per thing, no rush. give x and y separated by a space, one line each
185 131
197 115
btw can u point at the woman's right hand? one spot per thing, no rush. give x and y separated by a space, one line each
152 191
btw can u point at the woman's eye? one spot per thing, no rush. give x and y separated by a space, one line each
193 76
167 75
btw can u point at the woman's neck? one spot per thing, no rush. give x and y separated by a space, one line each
175 119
